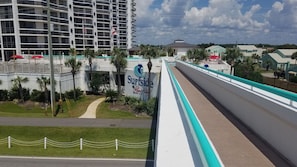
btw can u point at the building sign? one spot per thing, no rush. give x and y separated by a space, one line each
137 83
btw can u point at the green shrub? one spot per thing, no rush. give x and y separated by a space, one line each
14 94
3 95
111 95
70 94
37 96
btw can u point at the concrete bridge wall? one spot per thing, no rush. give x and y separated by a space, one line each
271 116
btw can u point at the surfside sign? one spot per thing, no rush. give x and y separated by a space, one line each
137 83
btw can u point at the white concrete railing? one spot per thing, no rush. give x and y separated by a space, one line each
172 146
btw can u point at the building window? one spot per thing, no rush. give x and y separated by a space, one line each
8 41
5 12
27 24
7 27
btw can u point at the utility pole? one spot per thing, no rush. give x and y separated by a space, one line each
50 53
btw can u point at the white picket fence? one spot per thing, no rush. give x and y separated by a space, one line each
81 143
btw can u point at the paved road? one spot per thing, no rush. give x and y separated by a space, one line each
75 122
71 162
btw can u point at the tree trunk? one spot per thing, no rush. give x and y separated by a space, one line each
21 93
90 75
74 91
119 82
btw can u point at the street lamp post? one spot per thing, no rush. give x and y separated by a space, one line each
52 79
149 66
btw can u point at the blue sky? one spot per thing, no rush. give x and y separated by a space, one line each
216 21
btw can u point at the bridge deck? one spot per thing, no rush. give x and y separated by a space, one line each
234 142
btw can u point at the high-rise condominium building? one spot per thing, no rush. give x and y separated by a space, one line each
79 24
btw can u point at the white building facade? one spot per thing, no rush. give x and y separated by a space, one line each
79 24
134 81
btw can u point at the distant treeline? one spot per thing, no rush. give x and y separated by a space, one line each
284 46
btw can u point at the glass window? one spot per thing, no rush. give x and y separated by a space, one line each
5 12
8 41
7 27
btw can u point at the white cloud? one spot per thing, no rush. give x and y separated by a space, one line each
221 21
278 6
142 8
283 16
223 14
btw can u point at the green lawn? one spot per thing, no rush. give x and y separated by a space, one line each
104 111
71 110
34 109
71 134
66 134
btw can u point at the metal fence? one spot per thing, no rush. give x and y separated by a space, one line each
41 68
80 143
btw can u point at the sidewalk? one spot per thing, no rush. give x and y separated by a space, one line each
91 110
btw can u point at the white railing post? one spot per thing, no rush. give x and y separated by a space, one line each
81 143
116 144
153 145
44 144
9 140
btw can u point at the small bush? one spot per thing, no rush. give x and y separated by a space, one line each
138 106
3 95
14 94
37 96
70 94
111 95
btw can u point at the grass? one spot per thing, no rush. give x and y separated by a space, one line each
66 134
71 108
104 111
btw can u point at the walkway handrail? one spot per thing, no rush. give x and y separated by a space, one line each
201 138
277 94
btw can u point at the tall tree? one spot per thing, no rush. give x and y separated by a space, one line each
256 57
75 66
90 54
232 55
43 82
149 51
72 51
196 55
17 82
294 56
119 60
170 51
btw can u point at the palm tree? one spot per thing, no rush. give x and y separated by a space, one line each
17 82
119 60
43 82
256 57
294 56
232 55
149 51
90 54
170 51
75 66
196 55
72 51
